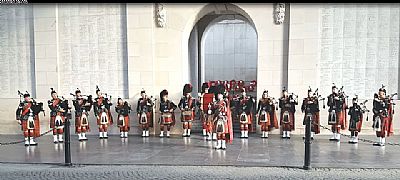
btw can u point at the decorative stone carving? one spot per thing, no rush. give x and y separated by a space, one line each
161 15
279 13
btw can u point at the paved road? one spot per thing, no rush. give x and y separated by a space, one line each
41 171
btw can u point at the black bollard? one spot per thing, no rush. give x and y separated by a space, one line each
67 143
307 143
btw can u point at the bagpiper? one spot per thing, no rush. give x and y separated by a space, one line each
58 110
83 105
356 118
266 114
310 107
167 109
144 111
383 116
102 105
123 109
245 110
187 105
287 104
337 113
222 119
27 115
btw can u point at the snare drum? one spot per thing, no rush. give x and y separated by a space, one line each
166 118
187 115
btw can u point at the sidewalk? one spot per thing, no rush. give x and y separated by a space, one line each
196 151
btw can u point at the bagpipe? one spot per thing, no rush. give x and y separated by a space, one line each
316 96
390 99
36 107
364 108
65 106
86 98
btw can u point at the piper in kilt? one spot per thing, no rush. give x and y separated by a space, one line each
123 109
310 107
266 114
102 105
144 111
356 118
82 105
337 113
58 110
27 115
287 104
383 116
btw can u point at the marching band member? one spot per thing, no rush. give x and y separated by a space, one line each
383 116
123 109
337 113
356 117
27 115
187 105
287 104
206 110
102 112
57 116
266 114
203 109
245 115
144 111
310 107
222 119
167 109
82 108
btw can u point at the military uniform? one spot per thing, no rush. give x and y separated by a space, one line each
58 110
187 105
337 113
27 114
167 109
356 119
82 107
383 116
102 112
310 107
266 113
245 113
222 119
287 104
123 110
144 111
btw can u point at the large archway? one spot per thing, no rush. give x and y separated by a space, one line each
222 46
